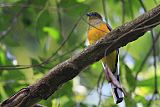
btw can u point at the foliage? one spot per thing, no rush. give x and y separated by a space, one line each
32 31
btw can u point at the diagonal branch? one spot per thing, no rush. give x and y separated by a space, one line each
70 68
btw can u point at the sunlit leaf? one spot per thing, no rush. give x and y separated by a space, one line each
2 57
3 92
52 32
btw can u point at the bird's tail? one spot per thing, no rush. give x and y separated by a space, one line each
117 92
113 78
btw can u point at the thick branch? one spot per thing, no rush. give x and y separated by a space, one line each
70 68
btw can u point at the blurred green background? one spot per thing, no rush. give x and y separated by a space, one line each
33 30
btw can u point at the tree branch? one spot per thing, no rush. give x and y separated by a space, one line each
70 68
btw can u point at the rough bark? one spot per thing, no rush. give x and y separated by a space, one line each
70 68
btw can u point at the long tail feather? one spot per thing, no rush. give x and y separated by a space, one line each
113 78
117 93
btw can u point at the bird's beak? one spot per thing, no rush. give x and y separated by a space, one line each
88 14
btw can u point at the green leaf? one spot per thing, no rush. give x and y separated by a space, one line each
52 32
80 1
3 92
2 57
148 82
130 79
130 102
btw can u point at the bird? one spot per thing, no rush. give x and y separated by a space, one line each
98 29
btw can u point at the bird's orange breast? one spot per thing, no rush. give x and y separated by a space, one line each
96 32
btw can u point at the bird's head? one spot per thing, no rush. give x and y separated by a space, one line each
94 15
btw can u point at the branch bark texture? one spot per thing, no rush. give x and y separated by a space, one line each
70 68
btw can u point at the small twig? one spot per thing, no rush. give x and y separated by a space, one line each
99 80
15 67
100 92
155 96
64 41
143 6
154 63
104 10
131 8
40 7
150 101
51 58
39 14
38 105
123 11
146 57
59 18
